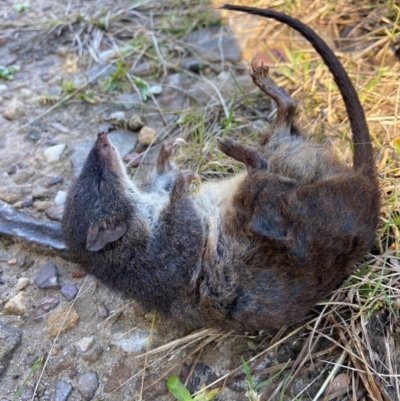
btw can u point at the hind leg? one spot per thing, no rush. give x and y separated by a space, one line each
167 148
242 153
285 105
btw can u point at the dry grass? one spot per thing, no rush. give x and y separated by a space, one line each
356 331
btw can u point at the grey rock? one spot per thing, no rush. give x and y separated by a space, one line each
69 290
128 100
53 153
27 202
102 310
63 361
208 44
85 343
99 71
10 339
34 134
40 234
47 277
62 391
58 179
55 212
88 384
12 169
15 110
49 303
93 354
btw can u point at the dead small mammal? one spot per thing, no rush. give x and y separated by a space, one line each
256 251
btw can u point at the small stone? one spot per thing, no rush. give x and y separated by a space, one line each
93 354
17 305
27 202
63 361
42 206
118 119
22 283
49 303
135 342
13 194
3 88
10 338
34 134
53 153
85 343
12 169
102 310
60 198
47 276
135 123
119 374
15 110
156 89
69 290
26 93
12 262
55 212
62 391
87 385
65 318
58 179
147 136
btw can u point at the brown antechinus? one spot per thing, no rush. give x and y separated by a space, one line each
252 252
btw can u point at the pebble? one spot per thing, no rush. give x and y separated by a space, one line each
93 354
3 87
58 179
60 198
63 361
27 202
13 194
118 119
135 123
65 318
87 385
49 303
12 169
17 305
102 310
85 343
22 283
119 374
10 338
156 89
62 391
53 153
15 110
55 212
135 342
69 290
42 206
147 136
47 277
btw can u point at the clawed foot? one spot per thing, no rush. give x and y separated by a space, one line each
167 148
285 105
242 153
181 185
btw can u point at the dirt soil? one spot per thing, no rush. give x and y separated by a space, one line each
59 47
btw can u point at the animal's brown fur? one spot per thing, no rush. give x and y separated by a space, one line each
253 252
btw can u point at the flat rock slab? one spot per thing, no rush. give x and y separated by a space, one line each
10 338
41 234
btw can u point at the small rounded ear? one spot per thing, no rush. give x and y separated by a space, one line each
99 235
